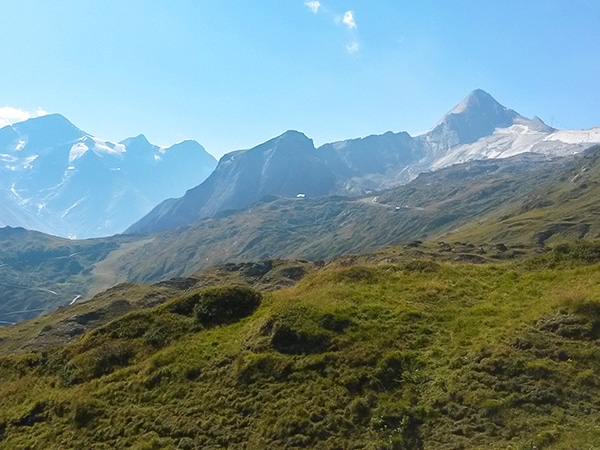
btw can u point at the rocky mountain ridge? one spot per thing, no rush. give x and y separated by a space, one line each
60 180
477 211
477 128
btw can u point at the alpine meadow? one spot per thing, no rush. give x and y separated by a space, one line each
310 276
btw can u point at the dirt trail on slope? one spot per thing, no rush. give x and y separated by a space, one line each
374 201
106 273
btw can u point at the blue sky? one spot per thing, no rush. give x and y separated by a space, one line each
232 74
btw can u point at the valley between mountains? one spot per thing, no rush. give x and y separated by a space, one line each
480 164
437 291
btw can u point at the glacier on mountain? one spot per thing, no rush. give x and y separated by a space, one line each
61 180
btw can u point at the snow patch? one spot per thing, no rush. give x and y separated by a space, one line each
77 151
7 158
503 143
340 145
68 210
460 108
108 148
576 136
14 164
26 163
521 138
517 128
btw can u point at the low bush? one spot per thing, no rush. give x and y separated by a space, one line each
221 305
288 340
217 305
99 361
587 252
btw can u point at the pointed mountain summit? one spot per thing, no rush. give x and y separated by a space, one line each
138 145
140 150
188 152
47 125
38 137
139 140
478 115
478 101
537 124
47 131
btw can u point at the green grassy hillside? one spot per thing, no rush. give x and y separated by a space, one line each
70 322
327 227
38 272
381 355
562 208
525 201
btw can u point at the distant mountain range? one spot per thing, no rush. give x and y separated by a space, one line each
60 180
477 128
477 211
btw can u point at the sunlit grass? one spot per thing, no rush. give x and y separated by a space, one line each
383 355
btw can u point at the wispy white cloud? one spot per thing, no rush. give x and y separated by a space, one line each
10 115
348 19
313 5
353 47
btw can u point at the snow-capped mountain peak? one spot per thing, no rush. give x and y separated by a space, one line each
478 115
477 101
88 186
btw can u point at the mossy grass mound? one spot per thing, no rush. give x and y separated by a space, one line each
380 355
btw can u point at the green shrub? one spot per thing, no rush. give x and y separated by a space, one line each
587 252
157 337
130 326
16 366
359 411
221 305
356 274
84 413
99 361
389 371
335 322
250 368
217 305
286 339
183 305
401 426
